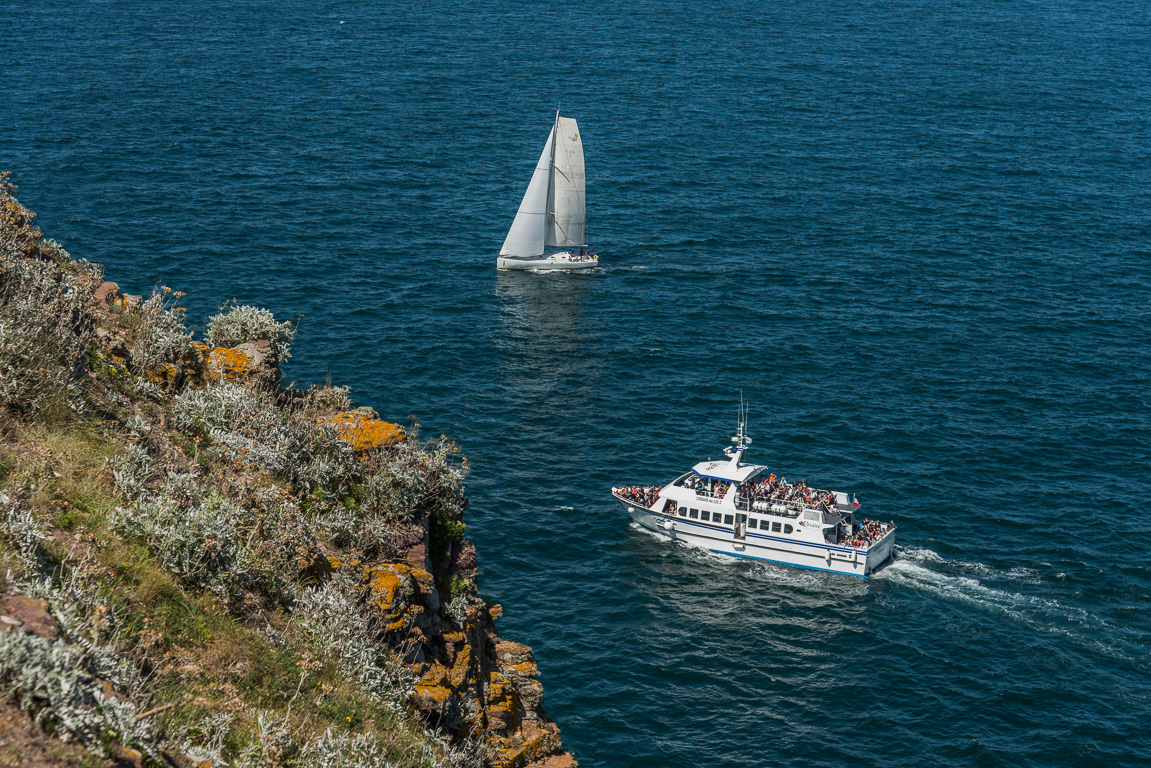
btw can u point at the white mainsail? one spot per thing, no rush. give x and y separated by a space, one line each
565 225
552 213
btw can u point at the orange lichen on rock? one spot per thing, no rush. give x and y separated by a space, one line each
364 434
396 591
433 695
511 654
504 709
527 669
384 583
391 592
198 355
164 375
464 662
562 760
533 742
226 364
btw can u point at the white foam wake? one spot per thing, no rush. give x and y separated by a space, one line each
966 582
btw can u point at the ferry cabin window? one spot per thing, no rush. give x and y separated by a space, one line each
683 511
728 519
787 529
705 515
693 514
751 522
775 527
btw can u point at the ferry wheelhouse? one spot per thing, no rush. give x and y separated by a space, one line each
744 510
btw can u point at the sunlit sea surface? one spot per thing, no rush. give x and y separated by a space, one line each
915 235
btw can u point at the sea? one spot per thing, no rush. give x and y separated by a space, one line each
913 236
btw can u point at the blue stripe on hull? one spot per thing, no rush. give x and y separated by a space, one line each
791 542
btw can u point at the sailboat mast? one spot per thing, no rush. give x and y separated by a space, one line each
550 211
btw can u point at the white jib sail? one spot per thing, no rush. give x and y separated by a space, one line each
565 227
525 239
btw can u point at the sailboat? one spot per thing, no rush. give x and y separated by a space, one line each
548 231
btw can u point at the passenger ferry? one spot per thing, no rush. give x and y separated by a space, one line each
744 510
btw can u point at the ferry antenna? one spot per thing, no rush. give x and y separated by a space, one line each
741 440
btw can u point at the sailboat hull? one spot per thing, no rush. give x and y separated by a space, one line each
560 260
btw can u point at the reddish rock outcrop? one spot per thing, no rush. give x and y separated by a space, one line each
27 614
107 292
469 682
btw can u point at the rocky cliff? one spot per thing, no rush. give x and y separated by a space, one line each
206 568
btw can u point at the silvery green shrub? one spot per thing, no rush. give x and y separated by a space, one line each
218 407
457 610
162 336
247 426
236 325
20 526
339 525
49 678
205 739
88 621
131 471
45 329
344 750
322 400
270 739
412 473
56 680
399 484
197 541
338 630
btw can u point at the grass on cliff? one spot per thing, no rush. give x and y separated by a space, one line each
177 519
203 661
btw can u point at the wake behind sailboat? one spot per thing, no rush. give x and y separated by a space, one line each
548 231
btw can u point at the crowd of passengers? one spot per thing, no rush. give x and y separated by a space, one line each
773 489
644 495
869 531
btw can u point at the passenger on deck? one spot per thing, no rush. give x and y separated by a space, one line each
645 495
869 532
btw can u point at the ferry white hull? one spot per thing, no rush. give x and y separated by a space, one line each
560 260
759 546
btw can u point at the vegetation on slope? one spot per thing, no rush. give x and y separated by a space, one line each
193 559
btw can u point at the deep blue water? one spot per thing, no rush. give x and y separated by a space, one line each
916 235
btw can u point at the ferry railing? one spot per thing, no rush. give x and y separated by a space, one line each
792 506
636 498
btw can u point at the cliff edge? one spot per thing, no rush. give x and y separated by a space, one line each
202 567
